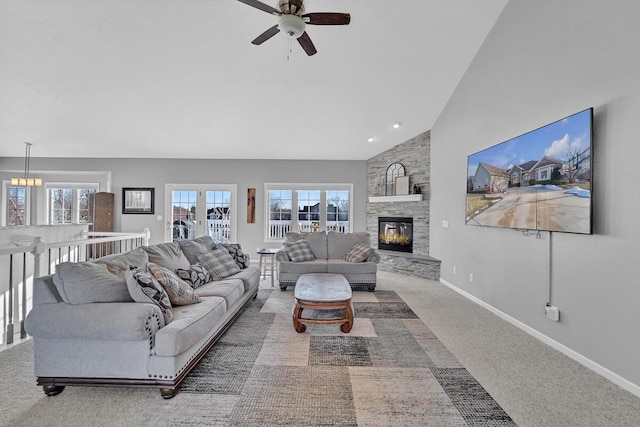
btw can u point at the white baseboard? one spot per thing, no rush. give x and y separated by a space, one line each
597 368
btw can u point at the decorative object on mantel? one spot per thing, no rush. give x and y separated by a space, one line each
27 181
393 171
417 189
402 185
251 205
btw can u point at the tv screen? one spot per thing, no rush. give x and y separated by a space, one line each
540 180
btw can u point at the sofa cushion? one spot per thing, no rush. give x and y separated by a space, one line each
317 241
195 247
168 255
299 251
119 264
179 291
88 282
250 276
359 253
339 244
195 276
315 266
231 290
340 266
219 263
143 287
190 324
238 255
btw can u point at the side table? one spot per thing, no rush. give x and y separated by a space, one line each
267 255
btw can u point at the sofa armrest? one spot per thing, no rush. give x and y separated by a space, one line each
374 257
115 321
282 255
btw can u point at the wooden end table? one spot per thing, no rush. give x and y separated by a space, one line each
323 291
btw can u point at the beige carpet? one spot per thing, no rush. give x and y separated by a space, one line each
533 383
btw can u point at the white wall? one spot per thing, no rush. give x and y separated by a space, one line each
245 173
543 61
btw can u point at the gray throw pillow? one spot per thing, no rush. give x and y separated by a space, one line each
88 282
219 264
196 275
193 248
180 293
143 287
359 253
299 251
168 255
238 255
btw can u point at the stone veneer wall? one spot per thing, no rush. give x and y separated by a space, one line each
414 155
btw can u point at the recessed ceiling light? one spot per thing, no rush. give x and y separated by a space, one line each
371 139
396 125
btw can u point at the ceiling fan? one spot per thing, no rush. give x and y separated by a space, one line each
293 21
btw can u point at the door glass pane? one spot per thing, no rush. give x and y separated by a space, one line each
338 211
279 213
309 210
183 215
219 215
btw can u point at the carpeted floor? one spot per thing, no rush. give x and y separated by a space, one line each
389 370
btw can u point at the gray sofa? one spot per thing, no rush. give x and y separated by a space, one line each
102 337
329 250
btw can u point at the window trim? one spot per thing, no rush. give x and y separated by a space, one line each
294 187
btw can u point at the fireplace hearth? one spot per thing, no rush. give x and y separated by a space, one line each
395 234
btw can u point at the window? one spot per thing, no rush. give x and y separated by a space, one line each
69 203
319 207
198 210
16 206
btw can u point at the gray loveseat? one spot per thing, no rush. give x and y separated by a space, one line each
87 329
329 252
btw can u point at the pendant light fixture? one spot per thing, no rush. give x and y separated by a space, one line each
26 181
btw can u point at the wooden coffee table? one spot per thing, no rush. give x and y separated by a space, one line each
323 291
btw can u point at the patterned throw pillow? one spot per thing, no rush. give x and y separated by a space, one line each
179 291
359 253
219 263
299 251
143 287
196 275
237 254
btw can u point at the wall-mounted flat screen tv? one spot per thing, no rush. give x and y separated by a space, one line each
540 180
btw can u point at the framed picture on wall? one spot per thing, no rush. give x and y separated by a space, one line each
138 200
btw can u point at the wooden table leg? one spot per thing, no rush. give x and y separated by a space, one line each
297 324
348 314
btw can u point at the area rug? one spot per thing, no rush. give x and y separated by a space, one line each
390 370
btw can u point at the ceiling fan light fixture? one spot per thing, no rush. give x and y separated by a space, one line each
291 26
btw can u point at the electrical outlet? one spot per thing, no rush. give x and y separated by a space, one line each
552 313
445 223
471 277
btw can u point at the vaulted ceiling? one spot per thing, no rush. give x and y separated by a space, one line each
181 79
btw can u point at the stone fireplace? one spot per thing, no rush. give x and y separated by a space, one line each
395 233
407 212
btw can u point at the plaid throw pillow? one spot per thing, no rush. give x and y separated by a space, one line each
219 263
195 276
143 287
299 251
358 253
180 293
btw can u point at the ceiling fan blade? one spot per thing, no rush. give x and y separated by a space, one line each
307 44
327 18
264 7
266 35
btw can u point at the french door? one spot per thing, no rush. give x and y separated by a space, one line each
198 210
